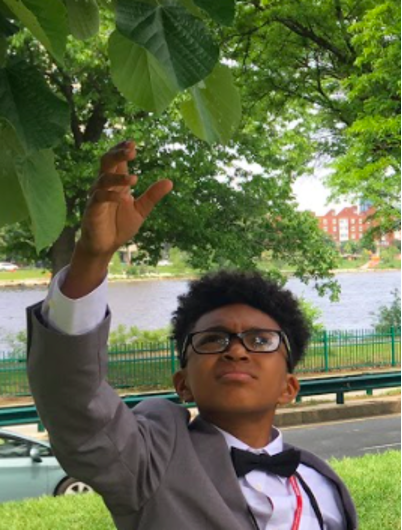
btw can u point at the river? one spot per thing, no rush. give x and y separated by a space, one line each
149 304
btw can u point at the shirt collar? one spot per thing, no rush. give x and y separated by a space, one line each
274 447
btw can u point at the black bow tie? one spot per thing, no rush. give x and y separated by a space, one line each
283 464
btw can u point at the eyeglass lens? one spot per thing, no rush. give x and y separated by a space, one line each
264 341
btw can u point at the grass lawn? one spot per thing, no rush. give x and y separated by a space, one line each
374 482
25 274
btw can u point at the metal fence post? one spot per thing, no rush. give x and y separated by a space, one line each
326 351
393 359
172 355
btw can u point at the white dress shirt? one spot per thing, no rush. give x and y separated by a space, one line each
270 497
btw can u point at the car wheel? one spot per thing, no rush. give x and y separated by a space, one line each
72 486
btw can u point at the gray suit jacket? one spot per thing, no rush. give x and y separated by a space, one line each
154 469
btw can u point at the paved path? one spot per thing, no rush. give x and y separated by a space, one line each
348 438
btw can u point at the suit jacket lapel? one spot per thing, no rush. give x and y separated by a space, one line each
214 456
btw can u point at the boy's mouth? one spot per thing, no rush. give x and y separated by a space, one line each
236 376
231 373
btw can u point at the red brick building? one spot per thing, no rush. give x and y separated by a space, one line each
350 225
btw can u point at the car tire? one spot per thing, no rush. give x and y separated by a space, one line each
72 486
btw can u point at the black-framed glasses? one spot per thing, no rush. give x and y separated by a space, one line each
253 340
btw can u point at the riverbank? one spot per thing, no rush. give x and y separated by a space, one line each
44 281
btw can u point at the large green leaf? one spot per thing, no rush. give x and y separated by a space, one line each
179 41
39 117
83 18
43 193
13 207
213 113
138 75
30 186
46 20
222 11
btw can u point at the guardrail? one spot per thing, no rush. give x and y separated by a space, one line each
143 367
308 387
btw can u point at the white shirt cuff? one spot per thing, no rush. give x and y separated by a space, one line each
74 317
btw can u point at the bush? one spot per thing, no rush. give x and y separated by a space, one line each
131 335
389 316
312 314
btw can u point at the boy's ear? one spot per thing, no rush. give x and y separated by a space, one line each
290 391
180 384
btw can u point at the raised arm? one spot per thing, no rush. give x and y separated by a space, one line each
93 433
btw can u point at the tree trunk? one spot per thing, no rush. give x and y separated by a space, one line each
62 249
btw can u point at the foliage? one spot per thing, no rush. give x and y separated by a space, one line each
157 50
389 316
312 315
133 335
364 476
334 66
229 204
370 166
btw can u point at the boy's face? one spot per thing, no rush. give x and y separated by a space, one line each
236 381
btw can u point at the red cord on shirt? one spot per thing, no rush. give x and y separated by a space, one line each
299 503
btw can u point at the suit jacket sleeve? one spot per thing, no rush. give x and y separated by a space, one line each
94 435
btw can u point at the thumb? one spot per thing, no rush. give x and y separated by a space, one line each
148 200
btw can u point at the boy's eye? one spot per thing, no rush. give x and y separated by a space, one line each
210 341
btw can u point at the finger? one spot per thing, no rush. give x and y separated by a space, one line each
152 196
111 180
115 160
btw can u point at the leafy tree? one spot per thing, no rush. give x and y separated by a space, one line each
389 316
333 66
221 212
157 49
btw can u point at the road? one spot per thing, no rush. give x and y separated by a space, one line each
348 438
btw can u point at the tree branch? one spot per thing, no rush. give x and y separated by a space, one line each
65 86
95 124
303 31
341 20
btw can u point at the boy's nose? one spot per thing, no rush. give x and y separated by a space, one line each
236 350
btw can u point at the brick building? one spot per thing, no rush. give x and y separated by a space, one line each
350 224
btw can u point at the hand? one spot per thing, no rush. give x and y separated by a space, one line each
112 217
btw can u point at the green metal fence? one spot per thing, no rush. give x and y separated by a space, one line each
147 367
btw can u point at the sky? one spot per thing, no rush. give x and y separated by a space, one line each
311 194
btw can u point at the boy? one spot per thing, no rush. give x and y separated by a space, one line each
239 339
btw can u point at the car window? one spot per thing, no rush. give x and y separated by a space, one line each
11 448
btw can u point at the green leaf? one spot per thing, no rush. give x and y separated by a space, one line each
213 113
47 21
138 75
178 40
83 18
12 203
43 193
222 11
39 117
30 186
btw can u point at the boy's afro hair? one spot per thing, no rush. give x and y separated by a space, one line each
223 288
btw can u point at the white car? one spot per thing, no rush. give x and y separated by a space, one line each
7 266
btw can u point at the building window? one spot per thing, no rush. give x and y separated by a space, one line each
360 229
334 221
360 221
353 221
325 221
353 228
